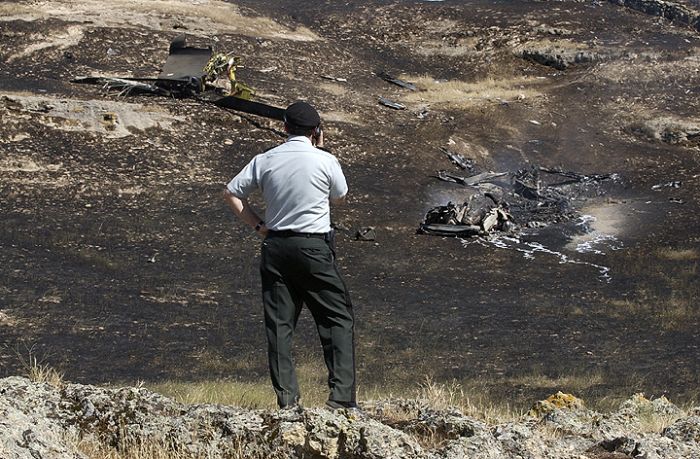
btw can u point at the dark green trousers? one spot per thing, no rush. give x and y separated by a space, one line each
301 270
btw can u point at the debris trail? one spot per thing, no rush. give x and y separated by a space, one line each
529 249
605 240
596 242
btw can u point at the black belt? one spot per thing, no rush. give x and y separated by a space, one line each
289 233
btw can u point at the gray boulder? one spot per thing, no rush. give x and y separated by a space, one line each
38 420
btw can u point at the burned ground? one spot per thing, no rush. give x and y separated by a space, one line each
120 262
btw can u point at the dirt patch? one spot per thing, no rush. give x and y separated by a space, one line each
6 320
603 228
458 48
341 117
204 17
61 41
108 118
461 94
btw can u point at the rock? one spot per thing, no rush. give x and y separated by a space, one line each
686 429
518 440
26 430
41 420
654 447
476 447
561 54
668 129
24 435
673 11
554 402
318 432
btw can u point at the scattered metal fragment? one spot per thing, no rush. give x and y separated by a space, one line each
366 234
188 72
184 67
332 78
577 177
250 106
439 229
525 190
391 104
673 184
126 85
226 65
676 200
469 181
458 160
532 197
398 82
480 214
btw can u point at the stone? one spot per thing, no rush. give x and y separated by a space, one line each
685 429
39 420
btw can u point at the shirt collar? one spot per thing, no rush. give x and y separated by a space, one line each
298 138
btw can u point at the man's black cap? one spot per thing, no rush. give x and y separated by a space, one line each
302 114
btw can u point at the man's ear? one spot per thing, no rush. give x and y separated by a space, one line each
286 127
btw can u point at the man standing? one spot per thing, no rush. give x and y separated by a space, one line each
298 182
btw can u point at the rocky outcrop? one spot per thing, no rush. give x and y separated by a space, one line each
672 11
38 420
669 129
561 55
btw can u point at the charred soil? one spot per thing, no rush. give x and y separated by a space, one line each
120 262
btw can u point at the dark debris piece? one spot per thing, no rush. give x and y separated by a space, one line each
183 75
458 160
391 104
404 84
480 214
127 86
184 67
471 180
500 199
673 184
366 234
577 177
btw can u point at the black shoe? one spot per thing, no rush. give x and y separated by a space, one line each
335 405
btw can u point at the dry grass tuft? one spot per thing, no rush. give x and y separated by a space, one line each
470 401
460 94
461 48
256 394
252 395
674 309
568 383
40 372
129 448
13 9
679 254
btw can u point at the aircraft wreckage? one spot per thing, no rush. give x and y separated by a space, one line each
194 73
494 202
509 201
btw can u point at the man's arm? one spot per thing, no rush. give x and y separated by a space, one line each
242 209
338 201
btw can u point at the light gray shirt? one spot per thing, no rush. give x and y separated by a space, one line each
296 180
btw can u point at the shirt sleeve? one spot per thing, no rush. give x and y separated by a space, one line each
339 186
245 182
